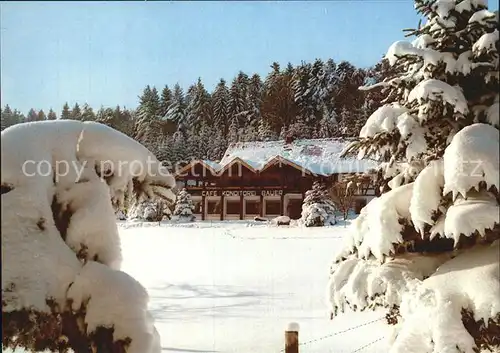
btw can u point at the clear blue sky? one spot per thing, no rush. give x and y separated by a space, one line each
105 53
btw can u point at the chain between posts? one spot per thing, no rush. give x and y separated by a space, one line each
343 331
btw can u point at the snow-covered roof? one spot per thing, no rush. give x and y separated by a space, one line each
317 156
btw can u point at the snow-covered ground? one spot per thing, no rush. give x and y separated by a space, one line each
234 286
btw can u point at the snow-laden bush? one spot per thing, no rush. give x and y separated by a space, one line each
120 215
428 247
184 207
317 208
150 210
62 288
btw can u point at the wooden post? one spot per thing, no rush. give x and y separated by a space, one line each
222 204
292 338
241 203
203 207
261 204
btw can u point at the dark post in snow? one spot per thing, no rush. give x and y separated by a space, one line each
292 338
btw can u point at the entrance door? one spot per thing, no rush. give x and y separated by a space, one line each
294 208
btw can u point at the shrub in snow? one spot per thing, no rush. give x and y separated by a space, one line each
428 247
120 215
343 192
62 288
150 210
317 208
184 207
281 221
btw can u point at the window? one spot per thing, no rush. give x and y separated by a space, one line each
197 206
233 207
252 207
273 207
213 207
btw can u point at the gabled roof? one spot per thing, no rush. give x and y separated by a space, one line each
229 164
209 165
316 156
281 160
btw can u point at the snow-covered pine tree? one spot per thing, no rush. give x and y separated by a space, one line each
176 110
184 207
7 117
254 100
41 115
283 132
317 208
88 113
220 110
217 145
66 112
198 110
300 129
32 115
147 127
233 134
327 124
238 98
165 101
428 248
264 131
10 117
179 152
52 115
249 132
317 83
76 112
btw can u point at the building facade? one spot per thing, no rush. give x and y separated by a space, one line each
265 179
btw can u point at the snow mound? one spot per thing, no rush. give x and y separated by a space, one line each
472 158
431 312
281 220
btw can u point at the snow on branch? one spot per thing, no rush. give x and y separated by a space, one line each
377 228
427 194
472 158
114 299
60 240
487 43
432 312
384 119
439 91
478 213
365 284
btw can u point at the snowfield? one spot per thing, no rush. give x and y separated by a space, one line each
234 287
